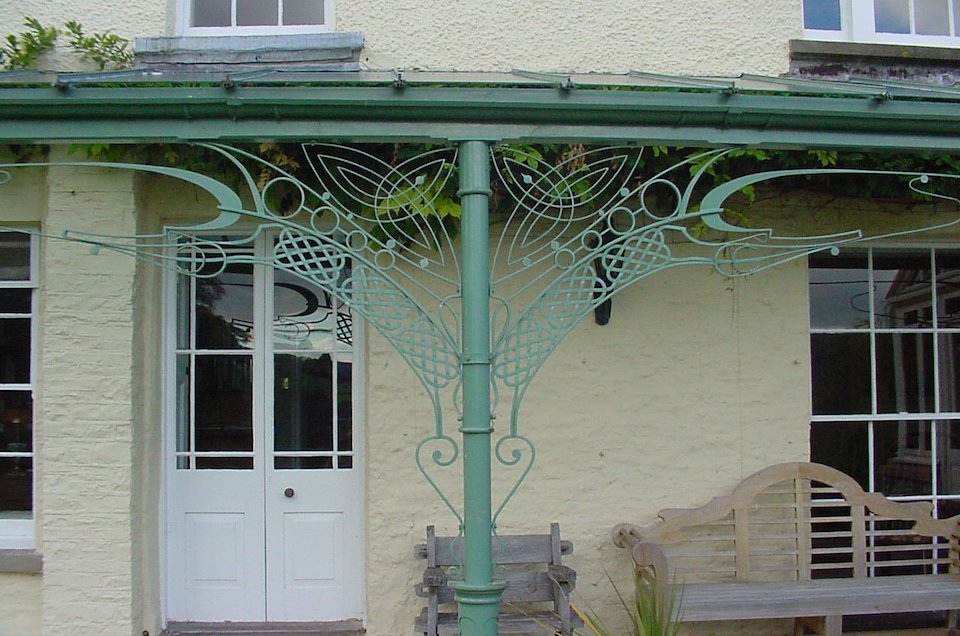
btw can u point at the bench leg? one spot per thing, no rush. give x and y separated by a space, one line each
953 629
823 625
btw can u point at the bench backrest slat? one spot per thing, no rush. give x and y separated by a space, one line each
523 587
507 550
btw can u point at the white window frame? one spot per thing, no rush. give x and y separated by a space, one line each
20 534
857 24
185 11
934 421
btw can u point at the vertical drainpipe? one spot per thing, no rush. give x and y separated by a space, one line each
477 595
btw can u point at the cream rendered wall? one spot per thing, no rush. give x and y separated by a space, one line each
687 36
84 431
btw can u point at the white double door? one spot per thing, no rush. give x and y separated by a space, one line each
264 502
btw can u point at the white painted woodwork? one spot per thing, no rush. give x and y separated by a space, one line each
238 549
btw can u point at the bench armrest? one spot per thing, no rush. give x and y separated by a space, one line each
650 562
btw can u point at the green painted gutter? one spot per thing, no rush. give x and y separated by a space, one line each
364 113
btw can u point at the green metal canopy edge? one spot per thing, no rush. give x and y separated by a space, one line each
791 116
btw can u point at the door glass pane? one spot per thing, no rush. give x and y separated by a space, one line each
15 301
344 406
184 410
303 463
14 256
905 378
211 13
902 458
15 350
931 17
902 291
303 11
16 421
821 14
224 403
303 402
956 17
892 16
257 13
840 373
225 309
839 296
16 486
305 316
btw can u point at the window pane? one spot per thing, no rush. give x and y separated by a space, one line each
15 301
931 17
16 484
842 445
303 11
892 16
948 458
821 14
902 458
956 17
225 309
840 373
14 256
902 290
224 408
949 344
15 350
839 295
16 421
905 378
303 402
257 13
184 409
211 13
948 289
345 461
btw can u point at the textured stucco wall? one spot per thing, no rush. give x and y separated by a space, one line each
20 605
666 406
689 36
83 409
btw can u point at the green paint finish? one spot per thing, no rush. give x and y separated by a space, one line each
478 595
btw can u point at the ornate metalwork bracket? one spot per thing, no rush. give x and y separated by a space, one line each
567 237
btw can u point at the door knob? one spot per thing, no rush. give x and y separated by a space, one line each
289 492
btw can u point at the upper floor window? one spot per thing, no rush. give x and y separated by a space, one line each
923 22
239 17
18 284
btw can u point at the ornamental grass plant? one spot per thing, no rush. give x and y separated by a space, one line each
648 614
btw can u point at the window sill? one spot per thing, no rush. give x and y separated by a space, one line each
851 60
21 562
329 51
839 51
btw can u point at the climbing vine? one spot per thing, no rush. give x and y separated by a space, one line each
104 50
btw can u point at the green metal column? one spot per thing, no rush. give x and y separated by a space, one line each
478 595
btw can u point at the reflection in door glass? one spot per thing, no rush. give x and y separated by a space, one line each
225 309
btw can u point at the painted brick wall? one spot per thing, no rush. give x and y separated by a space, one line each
84 409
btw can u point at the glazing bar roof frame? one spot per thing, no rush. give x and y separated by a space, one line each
144 105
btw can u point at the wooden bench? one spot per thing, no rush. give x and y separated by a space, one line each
535 575
800 541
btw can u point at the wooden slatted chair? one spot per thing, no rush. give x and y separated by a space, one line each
531 565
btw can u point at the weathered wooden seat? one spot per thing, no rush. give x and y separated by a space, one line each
535 575
801 541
